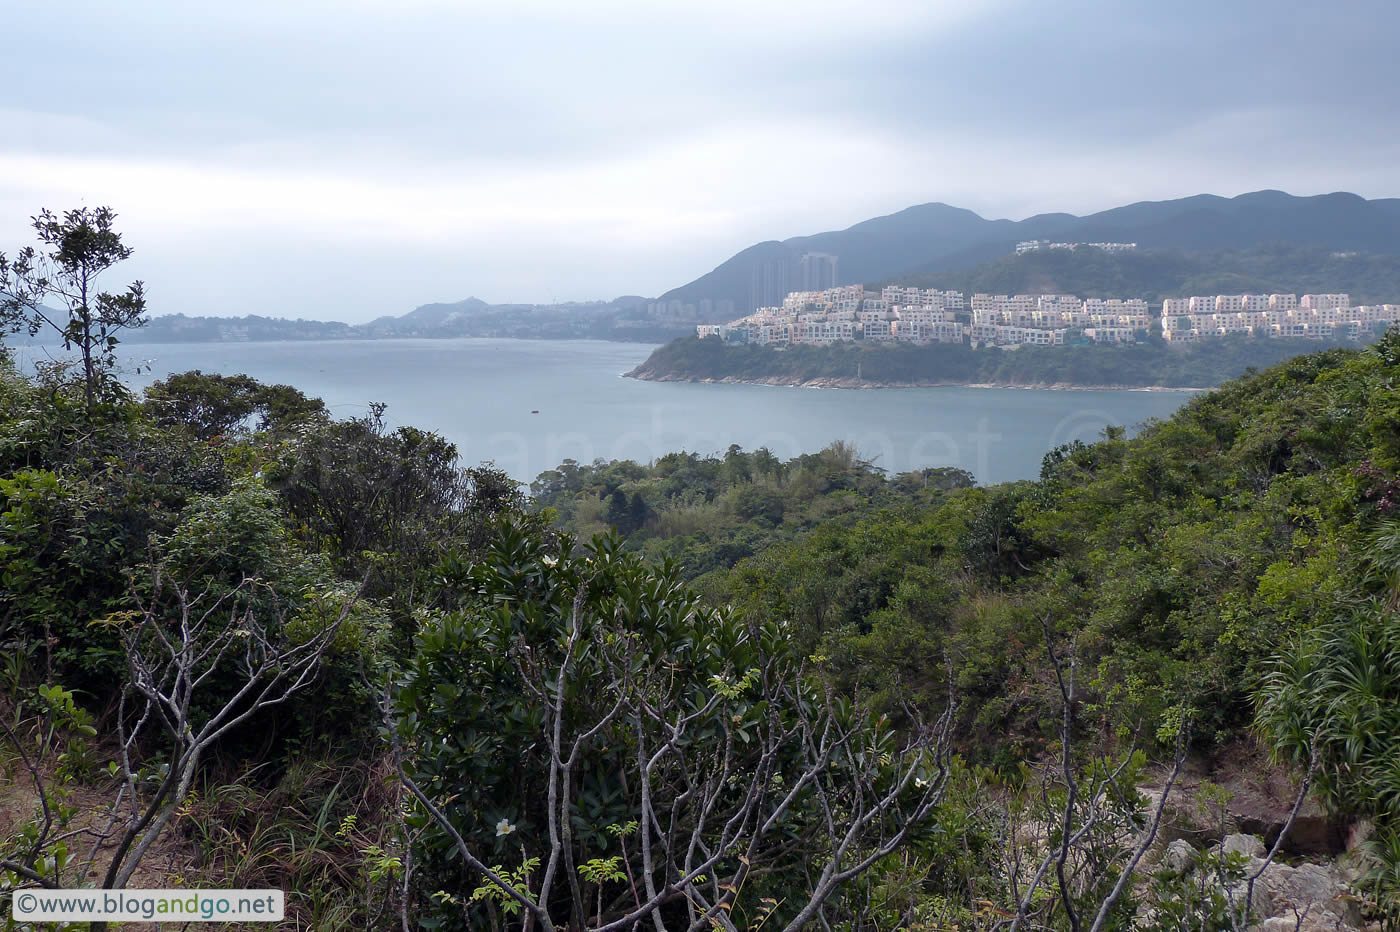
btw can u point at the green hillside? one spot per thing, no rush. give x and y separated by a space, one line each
404 651
1136 365
1187 554
1154 274
938 238
1237 564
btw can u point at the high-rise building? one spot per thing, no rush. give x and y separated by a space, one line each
817 271
768 284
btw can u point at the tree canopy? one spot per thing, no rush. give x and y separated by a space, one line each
74 252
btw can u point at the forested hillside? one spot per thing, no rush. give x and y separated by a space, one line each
852 365
1154 274
1181 558
323 656
937 239
1236 564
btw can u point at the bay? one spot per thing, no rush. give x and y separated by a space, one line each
482 394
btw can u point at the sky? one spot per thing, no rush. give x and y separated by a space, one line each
346 159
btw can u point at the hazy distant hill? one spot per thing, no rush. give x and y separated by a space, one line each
180 328
933 238
1157 273
433 315
599 320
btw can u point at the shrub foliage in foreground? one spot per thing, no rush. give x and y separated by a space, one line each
1242 550
611 751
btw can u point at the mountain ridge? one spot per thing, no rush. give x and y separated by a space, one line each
935 236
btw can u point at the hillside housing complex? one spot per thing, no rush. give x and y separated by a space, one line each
1314 316
1036 245
911 315
849 312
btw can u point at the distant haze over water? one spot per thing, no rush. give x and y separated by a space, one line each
480 393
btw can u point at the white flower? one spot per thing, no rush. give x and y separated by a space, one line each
504 827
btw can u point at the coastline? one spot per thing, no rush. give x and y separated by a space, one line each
853 383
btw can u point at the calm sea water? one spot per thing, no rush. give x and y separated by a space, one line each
482 395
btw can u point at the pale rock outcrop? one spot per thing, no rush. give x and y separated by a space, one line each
1318 893
1179 856
1248 845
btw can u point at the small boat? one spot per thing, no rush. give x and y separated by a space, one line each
536 411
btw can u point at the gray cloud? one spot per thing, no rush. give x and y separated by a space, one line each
349 159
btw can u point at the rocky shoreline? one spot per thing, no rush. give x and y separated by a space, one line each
852 382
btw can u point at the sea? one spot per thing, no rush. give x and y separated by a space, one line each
528 405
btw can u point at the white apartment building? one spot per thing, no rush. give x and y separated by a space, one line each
1320 301
1111 334
1052 312
1037 337
1375 313
900 314
924 313
875 323
846 313
894 295
914 331
1114 312
827 332
1004 335
944 331
1174 335
1314 317
924 324
1018 307
1035 245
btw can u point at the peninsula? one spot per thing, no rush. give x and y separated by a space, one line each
846 337
1148 365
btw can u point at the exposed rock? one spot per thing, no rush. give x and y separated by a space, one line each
1248 845
1313 883
1275 924
1179 856
1313 921
1284 892
1259 798
1271 890
1239 802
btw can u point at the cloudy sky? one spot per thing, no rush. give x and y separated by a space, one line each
342 159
